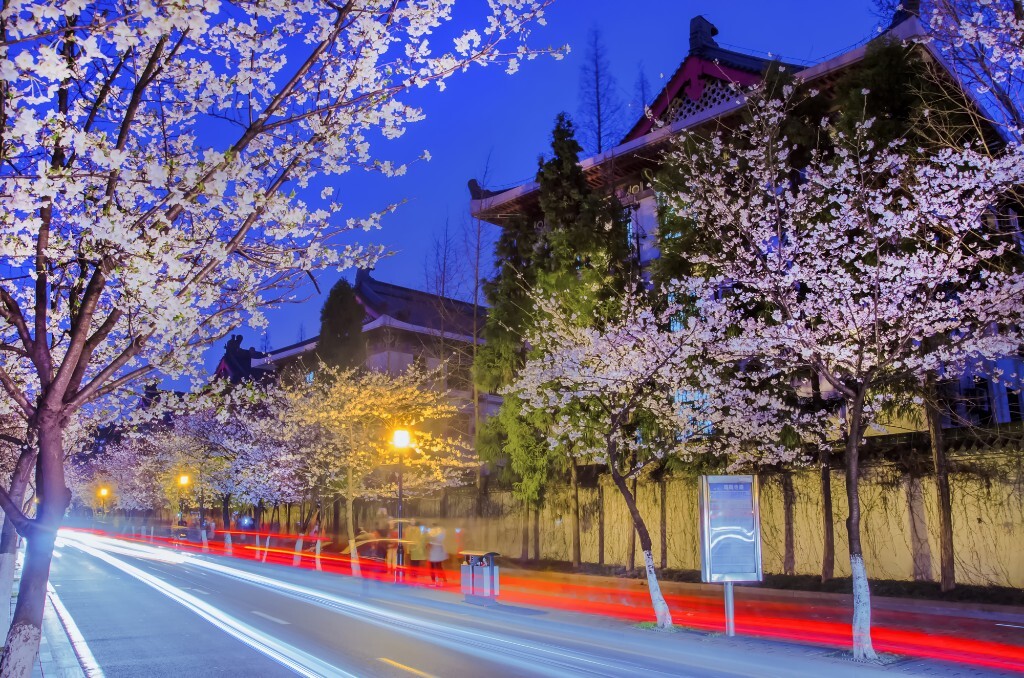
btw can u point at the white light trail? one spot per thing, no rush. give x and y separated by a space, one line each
301 662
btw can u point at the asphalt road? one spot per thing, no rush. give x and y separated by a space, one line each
147 611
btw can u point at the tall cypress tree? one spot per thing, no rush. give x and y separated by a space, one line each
576 247
341 328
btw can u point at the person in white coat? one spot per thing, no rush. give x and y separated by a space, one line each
437 554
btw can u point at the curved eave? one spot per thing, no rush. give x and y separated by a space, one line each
625 159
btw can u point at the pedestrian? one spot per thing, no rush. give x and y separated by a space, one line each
391 559
417 548
437 554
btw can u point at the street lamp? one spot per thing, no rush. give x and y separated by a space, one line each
183 481
103 500
402 440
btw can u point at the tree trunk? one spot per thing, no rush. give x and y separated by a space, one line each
524 551
947 567
788 504
574 515
631 548
536 532
9 537
661 611
225 510
336 526
350 518
862 647
828 550
22 644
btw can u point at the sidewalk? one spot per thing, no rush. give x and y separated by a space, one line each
57 657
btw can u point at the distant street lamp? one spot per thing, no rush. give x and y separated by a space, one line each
103 500
183 481
402 440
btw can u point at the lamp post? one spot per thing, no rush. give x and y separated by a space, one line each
402 440
183 481
103 500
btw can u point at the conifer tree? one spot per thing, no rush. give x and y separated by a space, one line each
576 247
341 342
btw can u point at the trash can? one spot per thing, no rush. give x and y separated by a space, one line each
479 577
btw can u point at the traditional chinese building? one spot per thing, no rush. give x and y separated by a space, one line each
704 93
401 326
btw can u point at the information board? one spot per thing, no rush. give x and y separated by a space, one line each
730 529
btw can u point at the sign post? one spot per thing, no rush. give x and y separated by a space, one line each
730 535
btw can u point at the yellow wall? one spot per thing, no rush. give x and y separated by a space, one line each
988 522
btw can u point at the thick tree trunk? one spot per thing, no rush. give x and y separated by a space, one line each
631 548
828 550
661 611
788 505
9 537
862 647
574 515
350 518
22 644
947 566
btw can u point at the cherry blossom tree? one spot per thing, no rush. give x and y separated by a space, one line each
983 43
354 413
615 394
151 158
851 266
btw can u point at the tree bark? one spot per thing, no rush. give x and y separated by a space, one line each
862 647
536 532
574 510
9 537
947 565
661 611
828 550
788 504
353 549
22 644
225 510
524 551
631 548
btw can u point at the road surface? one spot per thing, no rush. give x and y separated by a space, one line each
151 611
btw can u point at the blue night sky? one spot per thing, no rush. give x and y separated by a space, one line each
486 119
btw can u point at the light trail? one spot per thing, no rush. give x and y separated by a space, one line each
526 656
301 662
771 620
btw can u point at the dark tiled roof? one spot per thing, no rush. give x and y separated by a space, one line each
416 307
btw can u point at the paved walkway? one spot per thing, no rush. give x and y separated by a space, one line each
57 657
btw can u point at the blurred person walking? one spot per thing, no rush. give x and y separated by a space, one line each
437 554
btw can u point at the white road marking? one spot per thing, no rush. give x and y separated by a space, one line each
1012 626
267 616
303 663
78 644
204 592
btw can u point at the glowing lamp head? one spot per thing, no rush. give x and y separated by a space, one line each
104 491
183 480
401 439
